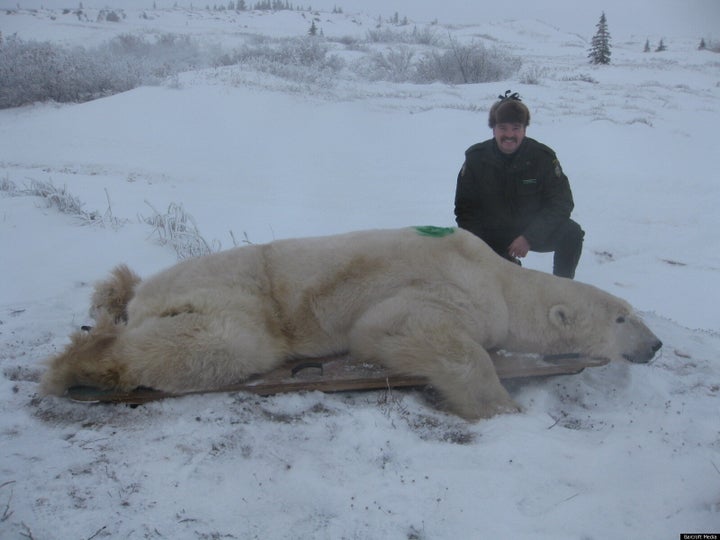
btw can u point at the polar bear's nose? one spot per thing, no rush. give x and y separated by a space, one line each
646 357
644 353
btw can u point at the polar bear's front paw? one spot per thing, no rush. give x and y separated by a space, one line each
484 407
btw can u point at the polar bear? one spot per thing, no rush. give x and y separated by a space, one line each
422 301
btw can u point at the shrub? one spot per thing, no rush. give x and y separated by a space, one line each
32 71
459 64
425 36
63 201
464 64
178 228
8 186
350 42
304 59
581 77
60 199
533 75
112 17
393 65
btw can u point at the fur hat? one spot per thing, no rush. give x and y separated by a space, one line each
509 111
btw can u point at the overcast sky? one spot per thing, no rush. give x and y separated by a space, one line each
626 18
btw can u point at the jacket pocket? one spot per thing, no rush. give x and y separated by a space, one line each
527 187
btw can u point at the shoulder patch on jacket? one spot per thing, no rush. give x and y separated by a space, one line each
558 168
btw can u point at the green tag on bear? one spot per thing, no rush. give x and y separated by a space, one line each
437 232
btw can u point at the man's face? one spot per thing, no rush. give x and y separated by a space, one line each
508 136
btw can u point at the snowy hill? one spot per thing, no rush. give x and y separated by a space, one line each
617 452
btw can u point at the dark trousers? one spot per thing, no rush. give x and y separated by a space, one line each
566 242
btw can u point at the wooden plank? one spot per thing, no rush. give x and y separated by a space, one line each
342 373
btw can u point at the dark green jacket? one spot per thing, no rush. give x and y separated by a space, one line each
525 193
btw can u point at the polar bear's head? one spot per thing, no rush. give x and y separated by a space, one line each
599 324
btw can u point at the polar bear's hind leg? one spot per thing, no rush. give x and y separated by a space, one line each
112 296
194 351
177 352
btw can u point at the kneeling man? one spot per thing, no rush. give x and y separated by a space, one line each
512 192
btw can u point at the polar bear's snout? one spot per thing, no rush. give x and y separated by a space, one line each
644 355
643 344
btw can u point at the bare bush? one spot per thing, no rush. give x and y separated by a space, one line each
581 77
303 59
167 55
533 75
466 64
424 36
713 46
350 42
32 71
175 227
60 199
386 35
393 65
178 228
63 201
456 64
8 186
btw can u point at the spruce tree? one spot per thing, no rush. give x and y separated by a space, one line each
600 45
647 46
702 45
661 46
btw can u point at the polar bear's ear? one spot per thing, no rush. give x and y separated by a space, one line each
561 316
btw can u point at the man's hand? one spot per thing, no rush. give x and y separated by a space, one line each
519 247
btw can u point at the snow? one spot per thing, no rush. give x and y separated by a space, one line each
622 451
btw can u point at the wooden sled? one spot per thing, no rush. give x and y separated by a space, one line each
342 373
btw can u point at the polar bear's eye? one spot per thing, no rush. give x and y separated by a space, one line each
620 319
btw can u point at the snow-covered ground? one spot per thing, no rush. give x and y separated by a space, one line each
623 451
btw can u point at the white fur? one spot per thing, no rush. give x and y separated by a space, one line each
431 306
